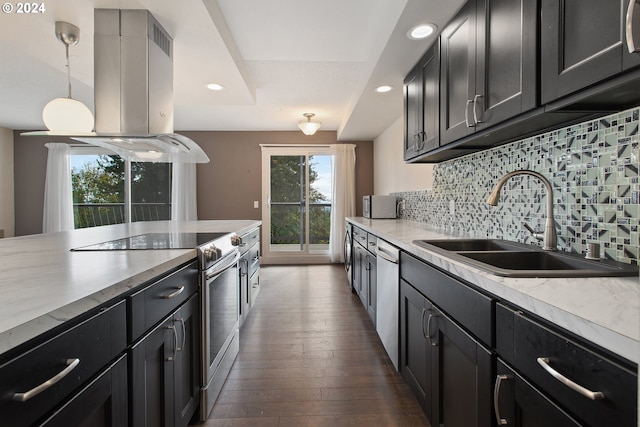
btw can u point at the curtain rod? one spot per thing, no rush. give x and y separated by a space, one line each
298 145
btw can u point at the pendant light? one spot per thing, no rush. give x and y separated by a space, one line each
308 127
67 115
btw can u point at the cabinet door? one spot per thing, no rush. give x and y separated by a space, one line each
519 404
582 44
462 375
187 363
103 402
372 266
412 112
243 281
415 351
506 77
457 73
430 63
357 268
152 377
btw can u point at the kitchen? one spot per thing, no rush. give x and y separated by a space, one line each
457 181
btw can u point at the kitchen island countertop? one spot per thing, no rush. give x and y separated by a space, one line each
603 310
44 284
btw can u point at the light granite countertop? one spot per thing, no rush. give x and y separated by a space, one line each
605 310
43 283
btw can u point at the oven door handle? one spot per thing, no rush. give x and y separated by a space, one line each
224 266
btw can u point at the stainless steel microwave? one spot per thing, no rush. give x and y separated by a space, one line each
377 207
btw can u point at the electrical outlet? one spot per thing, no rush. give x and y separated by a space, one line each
256 204
452 207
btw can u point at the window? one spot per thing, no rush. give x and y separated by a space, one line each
108 190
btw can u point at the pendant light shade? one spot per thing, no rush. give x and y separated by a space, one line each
67 115
307 126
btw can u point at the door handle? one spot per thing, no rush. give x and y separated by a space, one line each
475 112
632 29
466 113
496 394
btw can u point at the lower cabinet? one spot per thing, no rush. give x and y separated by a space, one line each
448 370
371 266
103 402
165 370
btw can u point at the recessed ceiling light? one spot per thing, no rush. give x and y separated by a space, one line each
421 31
215 86
384 88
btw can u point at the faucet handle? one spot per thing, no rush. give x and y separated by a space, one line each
536 234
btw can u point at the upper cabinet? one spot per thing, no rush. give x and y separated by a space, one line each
584 42
422 105
510 69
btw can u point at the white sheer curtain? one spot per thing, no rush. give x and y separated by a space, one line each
57 214
343 196
184 206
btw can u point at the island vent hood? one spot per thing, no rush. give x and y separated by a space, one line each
133 90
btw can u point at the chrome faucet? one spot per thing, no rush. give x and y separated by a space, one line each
549 237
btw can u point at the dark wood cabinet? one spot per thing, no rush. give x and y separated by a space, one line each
488 66
461 375
583 43
506 60
442 357
458 75
415 350
102 403
165 370
422 105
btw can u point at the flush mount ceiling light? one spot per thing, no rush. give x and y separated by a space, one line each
215 86
384 88
421 31
307 126
66 115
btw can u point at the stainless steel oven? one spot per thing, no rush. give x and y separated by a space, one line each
219 299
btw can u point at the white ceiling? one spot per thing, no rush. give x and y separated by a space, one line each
276 59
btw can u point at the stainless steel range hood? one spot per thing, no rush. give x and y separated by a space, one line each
133 90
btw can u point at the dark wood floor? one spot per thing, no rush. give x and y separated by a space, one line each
309 356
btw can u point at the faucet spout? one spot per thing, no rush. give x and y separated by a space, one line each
550 237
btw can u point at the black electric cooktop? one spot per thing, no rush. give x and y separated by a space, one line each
154 241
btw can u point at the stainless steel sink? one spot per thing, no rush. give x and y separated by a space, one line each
511 259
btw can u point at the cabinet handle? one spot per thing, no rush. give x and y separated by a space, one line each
184 334
424 310
631 36
466 113
23 397
475 112
175 344
174 294
593 395
431 343
496 394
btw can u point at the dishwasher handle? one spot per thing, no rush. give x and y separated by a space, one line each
383 253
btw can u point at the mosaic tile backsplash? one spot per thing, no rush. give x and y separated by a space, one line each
593 169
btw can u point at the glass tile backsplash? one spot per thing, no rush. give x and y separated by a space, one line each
592 166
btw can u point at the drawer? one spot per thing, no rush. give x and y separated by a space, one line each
522 340
81 352
372 242
473 310
360 236
150 305
251 238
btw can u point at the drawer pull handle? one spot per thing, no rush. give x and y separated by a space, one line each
593 395
431 316
184 334
174 294
23 397
496 395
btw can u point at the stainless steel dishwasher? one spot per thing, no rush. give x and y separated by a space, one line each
388 298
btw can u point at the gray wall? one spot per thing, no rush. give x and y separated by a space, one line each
227 186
